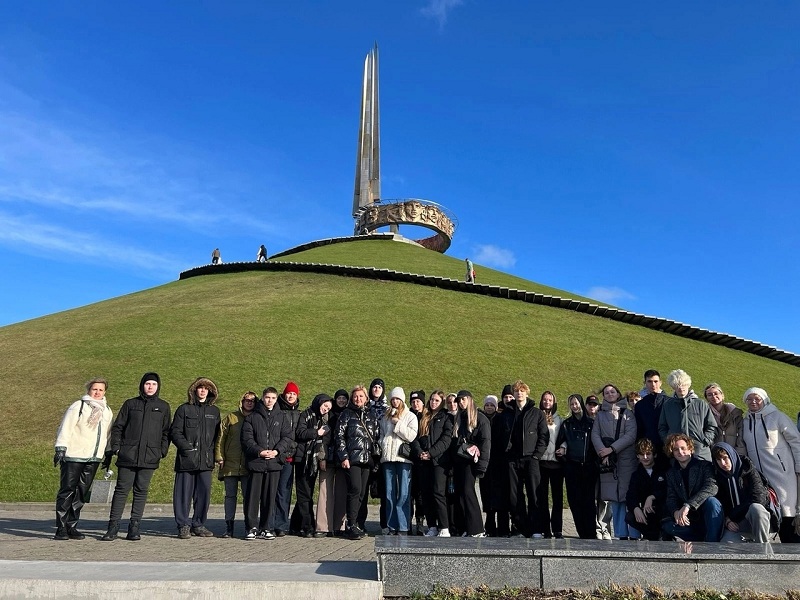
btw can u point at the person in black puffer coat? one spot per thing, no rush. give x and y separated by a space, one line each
140 439
416 404
267 439
743 496
332 501
311 428
289 402
432 447
378 405
357 434
471 433
488 484
194 432
574 446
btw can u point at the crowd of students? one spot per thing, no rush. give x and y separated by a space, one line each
641 465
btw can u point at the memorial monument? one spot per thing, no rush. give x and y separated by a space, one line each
370 211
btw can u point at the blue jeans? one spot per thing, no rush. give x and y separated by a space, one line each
398 499
283 499
705 523
619 512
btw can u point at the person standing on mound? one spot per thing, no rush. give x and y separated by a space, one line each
140 439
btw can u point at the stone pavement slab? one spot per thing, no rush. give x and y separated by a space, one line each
133 580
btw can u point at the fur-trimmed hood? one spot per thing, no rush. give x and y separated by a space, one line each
206 383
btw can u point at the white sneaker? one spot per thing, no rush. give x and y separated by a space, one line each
252 534
432 532
444 532
479 535
537 536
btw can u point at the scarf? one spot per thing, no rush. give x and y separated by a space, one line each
732 476
98 407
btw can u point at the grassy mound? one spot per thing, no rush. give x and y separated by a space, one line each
249 330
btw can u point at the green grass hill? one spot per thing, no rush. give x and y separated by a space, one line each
253 329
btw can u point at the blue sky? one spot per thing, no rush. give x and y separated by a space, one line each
644 154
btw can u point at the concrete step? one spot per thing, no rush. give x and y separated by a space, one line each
176 580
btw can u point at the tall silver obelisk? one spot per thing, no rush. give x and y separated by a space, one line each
368 160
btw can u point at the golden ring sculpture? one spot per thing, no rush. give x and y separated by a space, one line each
413 211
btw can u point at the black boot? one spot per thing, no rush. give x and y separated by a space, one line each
61 534
133 531
228 529
111 534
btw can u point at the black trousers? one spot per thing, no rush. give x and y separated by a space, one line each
260 505
433 486
417 506
581 481
192 490
651 530
464 481
304 486
523 474
551 480
377 482
357 477
76 481
127 478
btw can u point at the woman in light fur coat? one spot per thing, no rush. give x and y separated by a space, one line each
398 425
773 446
80 447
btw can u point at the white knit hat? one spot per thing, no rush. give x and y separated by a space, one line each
398 393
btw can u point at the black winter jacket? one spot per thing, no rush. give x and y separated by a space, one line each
309 442
140 434
481 437
356 431
267 430
751 490
535 435
194 432
438 440
293 413
577 434
702 485
643 485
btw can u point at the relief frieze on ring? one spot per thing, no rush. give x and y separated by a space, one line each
410 212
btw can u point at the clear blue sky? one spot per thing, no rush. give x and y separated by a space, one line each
644 154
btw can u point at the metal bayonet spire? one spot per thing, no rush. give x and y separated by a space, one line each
368 160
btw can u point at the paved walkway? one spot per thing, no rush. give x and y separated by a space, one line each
26 533
34 565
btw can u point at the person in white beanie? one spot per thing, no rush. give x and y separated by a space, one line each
398 426
773 445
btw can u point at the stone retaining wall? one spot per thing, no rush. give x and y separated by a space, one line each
408 565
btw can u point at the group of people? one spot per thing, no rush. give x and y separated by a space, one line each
261 255
640 465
